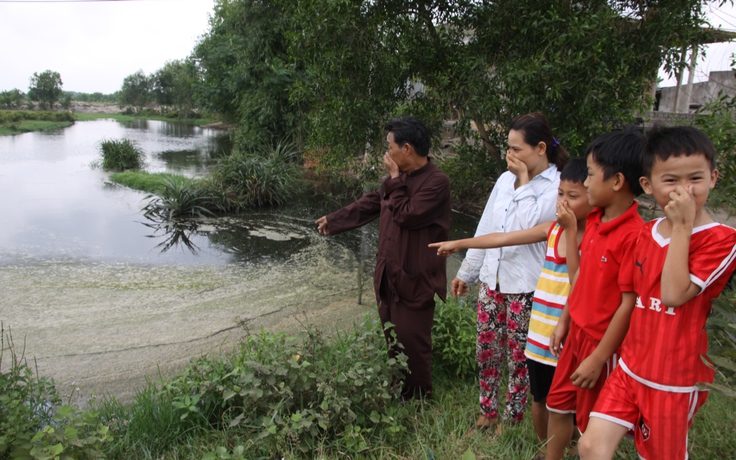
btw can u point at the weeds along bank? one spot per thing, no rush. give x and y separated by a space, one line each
21 121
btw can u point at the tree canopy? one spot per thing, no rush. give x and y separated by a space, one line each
46 88
175 84
346 66
136 90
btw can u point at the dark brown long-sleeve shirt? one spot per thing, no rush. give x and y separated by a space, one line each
414 210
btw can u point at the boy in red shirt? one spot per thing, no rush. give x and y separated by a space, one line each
682 261
598 309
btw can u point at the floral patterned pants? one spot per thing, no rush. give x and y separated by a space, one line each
503 323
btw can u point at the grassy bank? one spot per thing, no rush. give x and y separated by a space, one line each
23 121
147 182
27 126
87 116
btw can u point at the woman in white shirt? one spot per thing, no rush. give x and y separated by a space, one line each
523 197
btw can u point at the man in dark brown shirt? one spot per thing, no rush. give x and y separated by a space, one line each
413 205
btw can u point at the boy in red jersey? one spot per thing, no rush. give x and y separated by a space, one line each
682 261
598 309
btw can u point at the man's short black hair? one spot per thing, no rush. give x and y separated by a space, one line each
409 130
664 142
620 151
576 170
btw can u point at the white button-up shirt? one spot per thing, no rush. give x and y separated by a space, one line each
516 268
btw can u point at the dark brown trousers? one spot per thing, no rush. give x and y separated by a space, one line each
414 331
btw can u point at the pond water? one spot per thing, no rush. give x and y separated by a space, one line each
89 290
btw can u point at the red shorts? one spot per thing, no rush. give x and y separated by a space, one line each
566 398
660 419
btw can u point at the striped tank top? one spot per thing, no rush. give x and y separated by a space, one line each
549 300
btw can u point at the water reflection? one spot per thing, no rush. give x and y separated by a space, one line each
176 235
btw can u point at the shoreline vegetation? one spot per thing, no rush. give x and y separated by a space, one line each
25 121
310 396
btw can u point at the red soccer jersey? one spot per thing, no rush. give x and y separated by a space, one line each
602 278
664 345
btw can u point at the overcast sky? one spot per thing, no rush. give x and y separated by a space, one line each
95 44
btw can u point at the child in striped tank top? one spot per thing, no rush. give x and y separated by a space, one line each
554 284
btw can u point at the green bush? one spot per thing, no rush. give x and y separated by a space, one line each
454 338
33 423
177 199
119 155
718 120
265 176
40 115
283 394
722 349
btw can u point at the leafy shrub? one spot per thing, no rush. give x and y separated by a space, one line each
266 176
119 155
722 350
41 115
454 338
281 393
33 424
718 120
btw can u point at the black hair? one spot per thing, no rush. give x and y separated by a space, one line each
664 142
620 151
409 130
576 170
536 129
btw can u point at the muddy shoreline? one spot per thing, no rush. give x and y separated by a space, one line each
106 328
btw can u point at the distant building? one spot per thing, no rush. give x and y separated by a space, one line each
693 96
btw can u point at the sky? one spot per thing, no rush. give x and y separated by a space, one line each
94 45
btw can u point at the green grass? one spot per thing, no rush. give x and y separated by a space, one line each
120 154
438 429
23 121
27 126
440 426
87 116
145 181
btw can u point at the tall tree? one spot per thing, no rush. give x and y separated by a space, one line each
136 90
176 84
11 99
46 88
247 70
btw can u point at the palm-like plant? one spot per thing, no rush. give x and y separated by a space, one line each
178 199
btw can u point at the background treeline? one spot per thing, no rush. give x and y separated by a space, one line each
327 74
